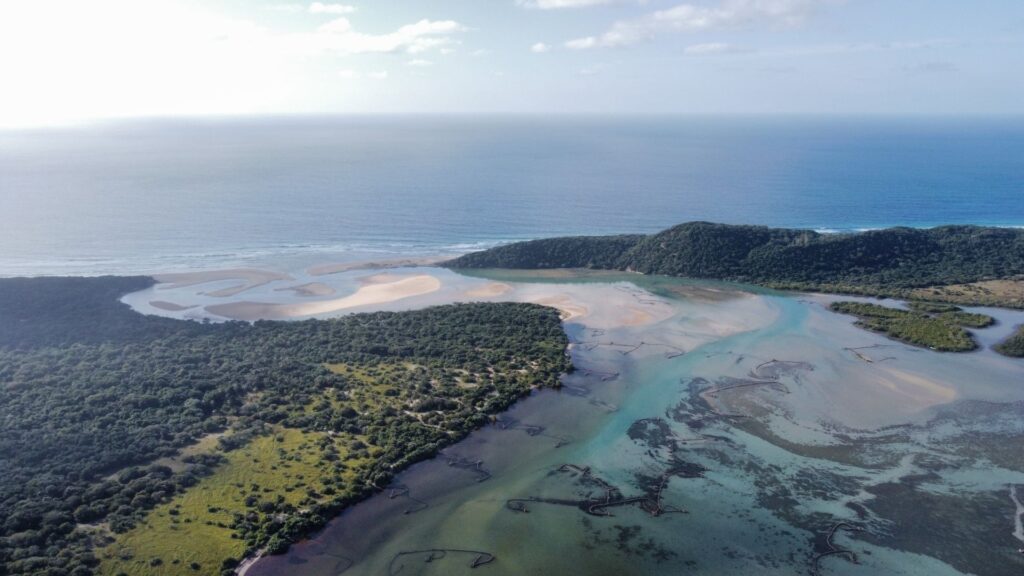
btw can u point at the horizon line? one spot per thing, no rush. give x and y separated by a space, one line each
307 116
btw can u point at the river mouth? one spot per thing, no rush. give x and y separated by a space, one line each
708 429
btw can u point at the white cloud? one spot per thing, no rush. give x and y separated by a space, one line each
348 74
711 48
197 61
592 70
556 4
336 26
379 75
284 8
420 63
582 43
321 8
935 67
447 51
540 48
729 14
338 35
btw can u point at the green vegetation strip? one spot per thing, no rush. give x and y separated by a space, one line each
896 262
939 327
141 445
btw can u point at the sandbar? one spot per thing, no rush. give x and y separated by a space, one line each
405 287
325 269
569 309
382 278
490 290
169 306
309 289
250 277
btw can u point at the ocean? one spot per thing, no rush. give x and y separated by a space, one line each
143 196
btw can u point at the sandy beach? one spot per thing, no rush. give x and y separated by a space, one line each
405 287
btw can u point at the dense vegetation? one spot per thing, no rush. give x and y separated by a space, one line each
936 326
95 413
880 262
60 311
1014 345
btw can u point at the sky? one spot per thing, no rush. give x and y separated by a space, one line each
67 61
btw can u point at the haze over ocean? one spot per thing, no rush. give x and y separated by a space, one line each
144 196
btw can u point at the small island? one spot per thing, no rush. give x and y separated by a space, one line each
935 326
1014 345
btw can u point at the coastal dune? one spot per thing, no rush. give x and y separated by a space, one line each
369 294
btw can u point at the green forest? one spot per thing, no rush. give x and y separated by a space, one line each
888 262
117 428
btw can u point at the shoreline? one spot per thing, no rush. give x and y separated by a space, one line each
616 306
387 291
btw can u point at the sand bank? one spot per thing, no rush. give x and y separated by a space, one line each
491 290
309 289
406 287
325 269
169 306
250 277
569 308
382 278
911 389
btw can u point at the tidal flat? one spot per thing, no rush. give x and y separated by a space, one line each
708 428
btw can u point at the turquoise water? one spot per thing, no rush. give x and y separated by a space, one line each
146 196
769 437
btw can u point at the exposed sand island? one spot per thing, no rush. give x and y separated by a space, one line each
382 293
326 269
492 290
308 289
169 306
250 277
568 308
382 278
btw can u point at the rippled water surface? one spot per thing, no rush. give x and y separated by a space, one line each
146 196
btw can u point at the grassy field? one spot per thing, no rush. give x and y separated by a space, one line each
288 470
1005 293
192 534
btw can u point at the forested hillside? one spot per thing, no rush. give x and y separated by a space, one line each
93 394
874 262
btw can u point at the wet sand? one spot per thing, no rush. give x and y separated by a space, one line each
792 420
373 294
169 306
490 290
309 290
250 277
327 269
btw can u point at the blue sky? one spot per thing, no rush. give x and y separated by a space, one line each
68 60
